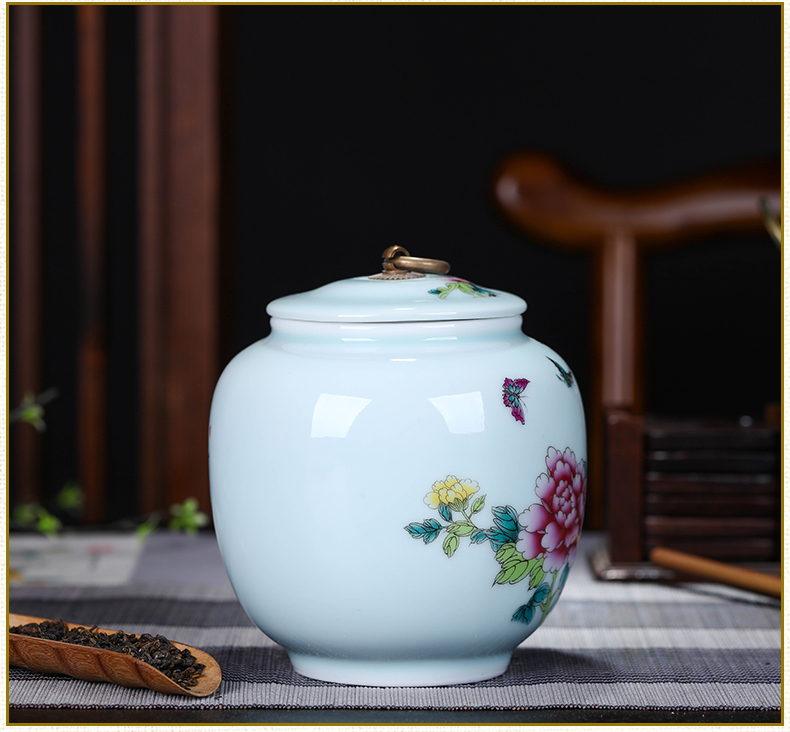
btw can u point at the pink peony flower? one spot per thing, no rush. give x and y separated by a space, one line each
552 527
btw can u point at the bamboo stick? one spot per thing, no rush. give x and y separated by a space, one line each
709 569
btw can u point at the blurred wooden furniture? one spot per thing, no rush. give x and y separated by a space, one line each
25 240
178 286
179 247
639 462
704 487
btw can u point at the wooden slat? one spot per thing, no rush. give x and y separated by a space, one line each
711 484
734 504
711 461
179 298
695 527
92 368
624 475
152 283
25 200
662 434
619 320
192 235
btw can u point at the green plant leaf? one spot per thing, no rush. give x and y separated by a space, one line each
537 576
503 577
186 517
478 504
513 572
48 524
25 513
34 415
518 559
70 497
520 570
145 528
31 409
450 545
524 614
540 595
461 528
506 552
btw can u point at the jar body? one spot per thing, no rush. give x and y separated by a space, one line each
379 491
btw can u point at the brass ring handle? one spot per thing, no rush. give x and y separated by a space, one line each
398 259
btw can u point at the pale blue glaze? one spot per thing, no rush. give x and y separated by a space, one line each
325 439
366 300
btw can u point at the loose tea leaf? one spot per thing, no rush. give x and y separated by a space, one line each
157 651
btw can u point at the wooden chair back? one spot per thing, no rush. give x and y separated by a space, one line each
543 199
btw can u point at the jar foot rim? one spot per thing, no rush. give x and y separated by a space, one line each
409 672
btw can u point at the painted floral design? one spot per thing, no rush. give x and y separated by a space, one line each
551 528
453 283
451 492
565 376
539 542
512 391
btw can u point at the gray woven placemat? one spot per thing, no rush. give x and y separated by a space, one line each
604 646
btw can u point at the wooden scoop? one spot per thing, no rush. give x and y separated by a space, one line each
99 664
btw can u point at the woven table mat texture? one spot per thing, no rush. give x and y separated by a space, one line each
605 646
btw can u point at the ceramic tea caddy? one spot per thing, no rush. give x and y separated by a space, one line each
398 477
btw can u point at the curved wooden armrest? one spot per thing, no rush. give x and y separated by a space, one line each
542 197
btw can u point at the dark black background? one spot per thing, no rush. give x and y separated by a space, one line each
349 129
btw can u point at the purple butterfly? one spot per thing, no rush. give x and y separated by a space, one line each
512 390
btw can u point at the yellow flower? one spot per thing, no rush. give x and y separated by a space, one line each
451 490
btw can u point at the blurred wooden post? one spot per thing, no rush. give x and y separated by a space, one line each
179 248
25 224
92 366
624 465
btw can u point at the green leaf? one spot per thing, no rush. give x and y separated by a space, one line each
506 552
478 504
48 524
450 545
541 594
520 571
457 505
25 513
31 410
524 614
513 572
145 528
503 577
513 561
536 577
70 497
187 517
445 512
461 528
34 416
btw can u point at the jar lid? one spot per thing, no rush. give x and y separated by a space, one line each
409 289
